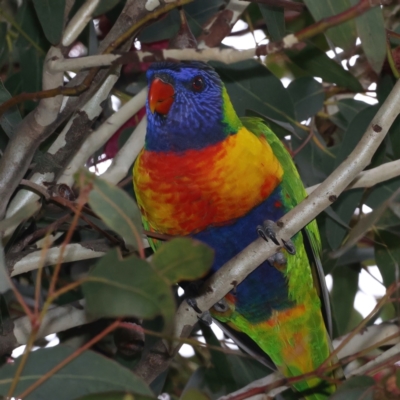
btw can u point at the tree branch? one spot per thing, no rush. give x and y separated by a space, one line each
100 136
205 53
371 177
126 156
19 263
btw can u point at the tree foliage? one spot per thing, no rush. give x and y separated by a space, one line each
72 242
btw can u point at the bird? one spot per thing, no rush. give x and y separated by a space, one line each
224 180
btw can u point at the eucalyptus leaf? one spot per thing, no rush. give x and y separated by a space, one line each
51 17
119 287
343 35
275 20
182 259
250 85
12 117
308 97
316 63
356 388
88 373
387 254
118 211
371 30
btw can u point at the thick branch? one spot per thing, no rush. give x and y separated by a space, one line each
257 252
27 137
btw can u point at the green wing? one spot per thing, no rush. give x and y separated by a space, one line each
293 186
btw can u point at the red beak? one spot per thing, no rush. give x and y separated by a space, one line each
161 96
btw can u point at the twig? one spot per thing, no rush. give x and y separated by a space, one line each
371 177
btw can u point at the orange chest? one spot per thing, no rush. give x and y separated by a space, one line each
185 193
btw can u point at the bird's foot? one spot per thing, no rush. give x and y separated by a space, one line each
268 231
193 303
278 260
221 306
205 316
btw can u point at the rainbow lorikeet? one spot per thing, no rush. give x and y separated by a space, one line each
206 173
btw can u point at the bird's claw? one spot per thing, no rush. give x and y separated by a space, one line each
267 231
206 318
289 246
193 303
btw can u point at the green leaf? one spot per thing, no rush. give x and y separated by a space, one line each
252 86
344 207
387 255
370 220
182 259
394 135
359 387
344 35
307 95
275 20
197 13
349 108
3 43
193 394
119 287
89 373
32 48
316 63
354 132
343 293
12 117
116 396
51 17
105 6
118 211
371 30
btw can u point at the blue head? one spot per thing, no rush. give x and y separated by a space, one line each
186 107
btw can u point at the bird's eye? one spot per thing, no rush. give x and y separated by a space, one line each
198 84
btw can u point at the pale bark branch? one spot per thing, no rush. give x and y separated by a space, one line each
21 263
78 22
56 320
27 137
81 120
100 136
126 156
371 177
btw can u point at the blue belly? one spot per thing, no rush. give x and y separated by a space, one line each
265 289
